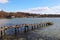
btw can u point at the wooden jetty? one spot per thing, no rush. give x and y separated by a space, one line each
26 27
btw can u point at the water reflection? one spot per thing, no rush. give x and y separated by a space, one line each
46 33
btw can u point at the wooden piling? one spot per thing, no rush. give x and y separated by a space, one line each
17 28
37 25
15 31
1 34
25 29
4 32
32 27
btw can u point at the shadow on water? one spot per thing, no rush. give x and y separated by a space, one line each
29 36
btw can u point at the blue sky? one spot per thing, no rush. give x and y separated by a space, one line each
16 5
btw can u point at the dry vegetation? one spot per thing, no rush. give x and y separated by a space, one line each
4 14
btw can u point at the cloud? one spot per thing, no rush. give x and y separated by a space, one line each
0 9
44 10
3 1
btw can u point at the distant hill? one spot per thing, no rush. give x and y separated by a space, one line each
4 14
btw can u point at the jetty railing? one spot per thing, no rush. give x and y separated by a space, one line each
26 27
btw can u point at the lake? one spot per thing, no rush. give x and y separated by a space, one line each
47 33
9 22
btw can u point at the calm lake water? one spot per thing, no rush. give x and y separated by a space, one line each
47 33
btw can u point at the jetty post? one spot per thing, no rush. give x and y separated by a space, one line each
4 31
1 34
44 24
40 25
26 27
1 31
37 26
18 26
32 26
15 29
25 30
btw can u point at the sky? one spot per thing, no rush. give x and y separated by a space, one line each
32 6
